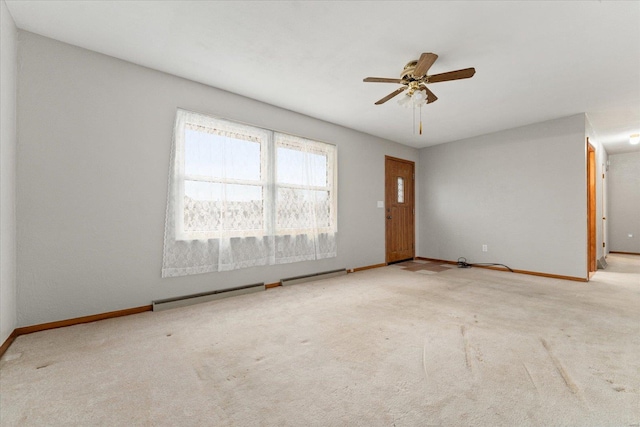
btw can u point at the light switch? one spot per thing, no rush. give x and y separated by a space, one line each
380 204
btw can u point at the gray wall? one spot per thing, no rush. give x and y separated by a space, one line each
521 191
8 61
93 161
624 202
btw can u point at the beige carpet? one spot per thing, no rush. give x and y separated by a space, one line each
383 347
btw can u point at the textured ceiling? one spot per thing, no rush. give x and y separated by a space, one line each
534 61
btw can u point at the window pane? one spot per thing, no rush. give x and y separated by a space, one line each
217 156
298 208
203 191
400 190
301 168
215 206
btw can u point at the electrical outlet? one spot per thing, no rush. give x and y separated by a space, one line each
484 248
630 235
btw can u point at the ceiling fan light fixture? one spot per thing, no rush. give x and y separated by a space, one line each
419 98
405 101
634 139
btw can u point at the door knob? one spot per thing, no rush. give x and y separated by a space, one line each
389 217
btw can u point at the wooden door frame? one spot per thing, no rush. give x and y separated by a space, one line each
603 208
386 197
592 251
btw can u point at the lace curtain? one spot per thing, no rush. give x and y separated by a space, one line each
241 196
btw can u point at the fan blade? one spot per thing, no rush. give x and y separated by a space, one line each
424 63
452 75
381 80
431 97
391 95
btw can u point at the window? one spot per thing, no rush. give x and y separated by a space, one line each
225 180
400 189
305 195
247 196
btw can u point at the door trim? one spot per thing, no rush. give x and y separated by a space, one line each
592 251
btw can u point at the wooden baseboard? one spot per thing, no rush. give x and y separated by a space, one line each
536 273
624 253
5 345
442 261
84 319
69 322
530 273
367 267
272 285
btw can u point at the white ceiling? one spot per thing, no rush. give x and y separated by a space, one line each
534 61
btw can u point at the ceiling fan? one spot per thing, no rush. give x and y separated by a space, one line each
414 80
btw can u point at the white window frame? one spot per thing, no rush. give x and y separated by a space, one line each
315 147
268 180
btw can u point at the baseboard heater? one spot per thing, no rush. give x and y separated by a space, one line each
183 301
313 277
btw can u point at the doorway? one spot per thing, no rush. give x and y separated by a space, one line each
603 198
591 209
399 209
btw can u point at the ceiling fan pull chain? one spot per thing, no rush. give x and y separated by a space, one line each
420 119
414 118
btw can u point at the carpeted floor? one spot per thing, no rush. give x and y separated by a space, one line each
381 347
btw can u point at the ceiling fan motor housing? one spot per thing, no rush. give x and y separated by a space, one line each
407 72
